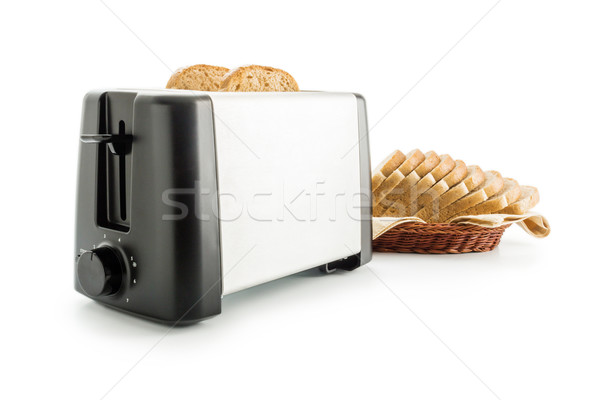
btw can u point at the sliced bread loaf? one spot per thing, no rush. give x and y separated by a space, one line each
509 194
198 77
431 161
445 166
391 205
475 177
492 184
256 78
401 197
413 159
386 167
458 173
527 200
386 187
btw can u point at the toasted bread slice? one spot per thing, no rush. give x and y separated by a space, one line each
493 184
474 178
527 200
386 167
509 194
202 77
413 159
401 197
256 78
458 173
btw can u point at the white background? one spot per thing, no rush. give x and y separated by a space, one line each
519 93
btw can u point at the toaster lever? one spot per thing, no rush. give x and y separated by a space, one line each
119 143
96 138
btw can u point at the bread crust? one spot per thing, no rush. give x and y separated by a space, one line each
386 167
258 78
445 166
391 162
493 184
529 198
414 159
397 206
386 187
474 178
403 195
431 161
454 177
509 194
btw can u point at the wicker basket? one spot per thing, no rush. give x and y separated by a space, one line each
414 237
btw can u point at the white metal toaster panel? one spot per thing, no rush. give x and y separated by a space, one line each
289 188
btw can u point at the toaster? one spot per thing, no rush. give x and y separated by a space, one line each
184 197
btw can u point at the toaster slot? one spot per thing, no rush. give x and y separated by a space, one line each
114 164
117 183
114 172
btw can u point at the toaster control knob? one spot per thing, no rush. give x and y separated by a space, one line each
100 271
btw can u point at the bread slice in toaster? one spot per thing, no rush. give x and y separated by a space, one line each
256 78
198 77
386 167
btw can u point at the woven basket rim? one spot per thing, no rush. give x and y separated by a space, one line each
438 238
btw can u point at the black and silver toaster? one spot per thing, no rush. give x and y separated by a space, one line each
184 197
